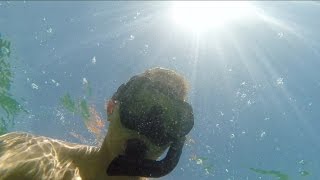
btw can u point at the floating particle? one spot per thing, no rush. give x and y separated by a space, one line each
304 173
280 81
207 171
92 29
131 37
243 95
84 81
94 60
52 80
145 49
263 133
199 161
238 93
49 30
302 162
34 86
280 34
31 116
232 136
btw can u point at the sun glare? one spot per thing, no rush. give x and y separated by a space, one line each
204 15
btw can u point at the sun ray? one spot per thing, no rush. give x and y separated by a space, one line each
204 15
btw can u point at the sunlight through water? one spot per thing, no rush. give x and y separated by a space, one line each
201 16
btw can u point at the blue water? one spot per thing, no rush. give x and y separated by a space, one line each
254 85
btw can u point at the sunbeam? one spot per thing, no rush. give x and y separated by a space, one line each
204 15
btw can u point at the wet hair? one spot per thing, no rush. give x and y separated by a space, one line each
167 81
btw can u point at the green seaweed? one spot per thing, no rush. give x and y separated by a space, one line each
277 174
3 127
8 104
84 109
81 108
68 103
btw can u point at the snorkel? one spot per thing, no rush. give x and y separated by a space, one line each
156 112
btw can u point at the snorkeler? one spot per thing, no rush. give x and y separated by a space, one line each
147 115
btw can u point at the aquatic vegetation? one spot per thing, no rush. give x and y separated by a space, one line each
84 109
91 118
3 128
279 175
10 106
68 103
81 108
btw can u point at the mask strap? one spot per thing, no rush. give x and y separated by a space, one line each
124 165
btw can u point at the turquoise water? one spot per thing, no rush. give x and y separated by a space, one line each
254 83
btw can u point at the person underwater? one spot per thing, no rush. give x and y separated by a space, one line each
148 115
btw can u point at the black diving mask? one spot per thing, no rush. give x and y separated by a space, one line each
163 118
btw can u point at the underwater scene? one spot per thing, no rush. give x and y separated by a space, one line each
252 69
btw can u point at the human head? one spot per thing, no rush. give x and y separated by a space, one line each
151 107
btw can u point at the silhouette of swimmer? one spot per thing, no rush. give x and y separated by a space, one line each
147 115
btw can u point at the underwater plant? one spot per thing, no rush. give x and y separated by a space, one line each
91 118
277 174
9 107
